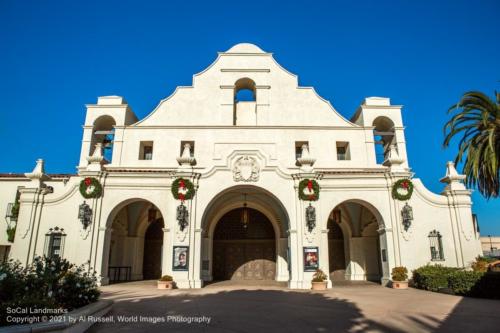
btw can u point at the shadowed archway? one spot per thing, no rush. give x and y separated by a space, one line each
221 219
135 242
354 244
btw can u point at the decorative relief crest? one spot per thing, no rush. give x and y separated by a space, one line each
246 169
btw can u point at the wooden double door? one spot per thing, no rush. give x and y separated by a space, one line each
244 260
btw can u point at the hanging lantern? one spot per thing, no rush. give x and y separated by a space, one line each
337 217
245 218
151 214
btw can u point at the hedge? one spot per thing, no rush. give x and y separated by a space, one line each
432 277
461 282
488 286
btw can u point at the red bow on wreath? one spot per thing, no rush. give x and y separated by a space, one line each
88 181
310 188
405 185
182 185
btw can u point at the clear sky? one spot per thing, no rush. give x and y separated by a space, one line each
56 56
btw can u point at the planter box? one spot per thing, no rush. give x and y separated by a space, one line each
165 284
319 285
400 284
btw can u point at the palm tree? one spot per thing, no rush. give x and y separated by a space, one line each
478 123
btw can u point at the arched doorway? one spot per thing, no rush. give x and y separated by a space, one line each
270 223
153 245
353 242
244 251
136 241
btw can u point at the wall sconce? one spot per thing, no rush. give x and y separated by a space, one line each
85 214
407 214
182 216
310 217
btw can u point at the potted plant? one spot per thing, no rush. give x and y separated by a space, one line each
166 282
319 280
400 278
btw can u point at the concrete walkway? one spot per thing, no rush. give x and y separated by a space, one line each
233 307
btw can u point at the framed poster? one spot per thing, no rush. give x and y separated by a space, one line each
311 259
180 258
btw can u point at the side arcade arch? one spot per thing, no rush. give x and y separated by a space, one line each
354 242
133 242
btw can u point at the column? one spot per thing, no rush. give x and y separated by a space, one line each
282 273
325 255
195 269
102 254
166 257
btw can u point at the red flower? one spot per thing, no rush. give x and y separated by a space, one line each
88 181
309 184
405 184
182 184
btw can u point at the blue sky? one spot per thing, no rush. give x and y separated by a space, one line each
56 56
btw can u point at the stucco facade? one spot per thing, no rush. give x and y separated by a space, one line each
243 154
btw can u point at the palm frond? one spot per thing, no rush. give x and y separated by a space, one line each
477 122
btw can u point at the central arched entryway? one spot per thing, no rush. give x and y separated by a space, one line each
232 251
244 246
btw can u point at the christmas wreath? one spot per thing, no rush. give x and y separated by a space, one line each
90 188
308 190
182 189
402 189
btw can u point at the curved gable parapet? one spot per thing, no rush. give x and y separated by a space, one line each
245 48
211 100
427 195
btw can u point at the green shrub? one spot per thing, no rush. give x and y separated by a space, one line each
432 277
47 283
488 286
11 233
399 274
463 282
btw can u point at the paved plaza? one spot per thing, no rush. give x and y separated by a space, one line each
251 307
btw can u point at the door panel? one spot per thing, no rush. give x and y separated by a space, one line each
244 260
254 268
244 252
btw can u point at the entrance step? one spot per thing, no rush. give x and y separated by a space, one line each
246 284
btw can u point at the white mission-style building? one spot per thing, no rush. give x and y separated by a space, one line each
282 184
